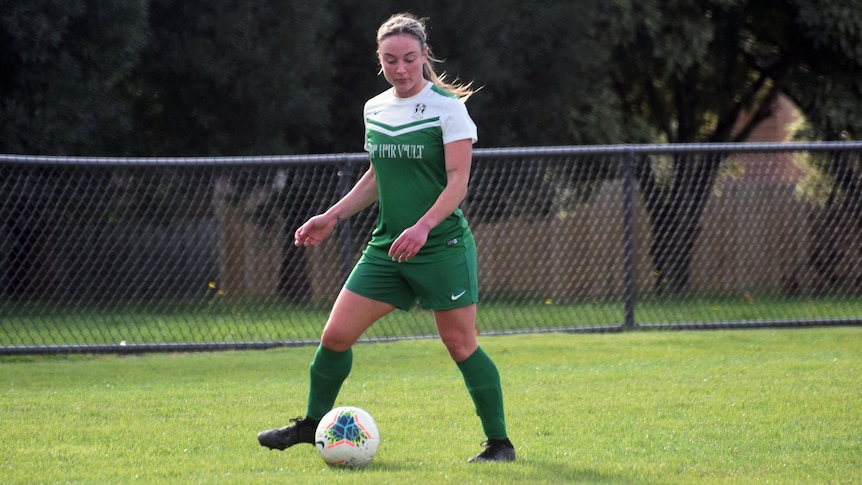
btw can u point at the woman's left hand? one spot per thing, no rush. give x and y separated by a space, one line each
408 244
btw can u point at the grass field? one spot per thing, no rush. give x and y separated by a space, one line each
731 406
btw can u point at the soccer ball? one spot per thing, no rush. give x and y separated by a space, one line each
347 436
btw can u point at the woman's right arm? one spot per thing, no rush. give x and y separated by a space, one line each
319 227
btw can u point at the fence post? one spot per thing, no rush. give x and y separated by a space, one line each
628 239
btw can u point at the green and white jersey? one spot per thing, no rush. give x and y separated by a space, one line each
404 138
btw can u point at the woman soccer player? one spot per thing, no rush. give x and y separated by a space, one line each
419 138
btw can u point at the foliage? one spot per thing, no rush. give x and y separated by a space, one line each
689 70
229 78
242 78
825 81
63 64
540 65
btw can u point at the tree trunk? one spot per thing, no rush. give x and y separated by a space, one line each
675 208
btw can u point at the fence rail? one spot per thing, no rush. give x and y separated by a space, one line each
178 254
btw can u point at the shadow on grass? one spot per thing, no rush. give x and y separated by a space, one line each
524 470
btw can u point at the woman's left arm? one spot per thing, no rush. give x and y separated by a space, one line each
459 156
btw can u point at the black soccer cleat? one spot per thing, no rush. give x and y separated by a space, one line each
496 450
301 431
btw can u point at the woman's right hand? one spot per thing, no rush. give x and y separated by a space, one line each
315 230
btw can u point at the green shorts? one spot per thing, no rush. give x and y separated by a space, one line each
439 285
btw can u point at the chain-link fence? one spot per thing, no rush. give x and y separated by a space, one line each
142 254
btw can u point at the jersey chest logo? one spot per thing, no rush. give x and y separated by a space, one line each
419 111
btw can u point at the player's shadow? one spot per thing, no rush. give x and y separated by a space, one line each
570 474
524 469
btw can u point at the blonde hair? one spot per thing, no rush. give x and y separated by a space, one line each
406 23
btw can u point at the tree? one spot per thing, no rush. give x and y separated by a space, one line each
244 77
63 66
686 71
233 78
536 63
829 93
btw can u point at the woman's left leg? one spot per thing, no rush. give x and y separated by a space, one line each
457 329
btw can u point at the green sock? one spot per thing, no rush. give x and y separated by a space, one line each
327 372
483 383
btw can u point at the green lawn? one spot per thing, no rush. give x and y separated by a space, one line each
731 406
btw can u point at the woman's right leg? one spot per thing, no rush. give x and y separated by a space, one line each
351 316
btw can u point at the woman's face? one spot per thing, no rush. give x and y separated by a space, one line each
402 58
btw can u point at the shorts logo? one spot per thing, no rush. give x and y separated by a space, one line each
455 296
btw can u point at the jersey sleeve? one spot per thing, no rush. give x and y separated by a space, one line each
457 124
365 123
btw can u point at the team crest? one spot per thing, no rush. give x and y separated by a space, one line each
419 111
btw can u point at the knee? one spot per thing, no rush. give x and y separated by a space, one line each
460 349
335 341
